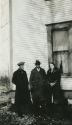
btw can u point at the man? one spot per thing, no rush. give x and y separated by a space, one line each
22 93
53 78
37 82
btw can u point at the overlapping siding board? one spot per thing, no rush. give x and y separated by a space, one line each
29 33
58 11
30 40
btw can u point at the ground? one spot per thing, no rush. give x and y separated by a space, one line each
9 117
53 115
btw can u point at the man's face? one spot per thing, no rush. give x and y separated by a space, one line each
21 66
38 66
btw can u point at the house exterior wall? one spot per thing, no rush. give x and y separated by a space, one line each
29 31
30 39
58 11
34 14
29 34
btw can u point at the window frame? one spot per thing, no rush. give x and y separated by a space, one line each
66 28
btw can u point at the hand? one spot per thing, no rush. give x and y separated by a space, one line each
29 87
52 84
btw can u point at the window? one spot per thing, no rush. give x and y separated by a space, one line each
62 49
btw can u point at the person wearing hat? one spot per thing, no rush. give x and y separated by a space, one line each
37 82
22 93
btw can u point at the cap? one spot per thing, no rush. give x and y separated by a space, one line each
20 63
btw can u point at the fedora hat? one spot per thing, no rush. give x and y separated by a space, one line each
37 62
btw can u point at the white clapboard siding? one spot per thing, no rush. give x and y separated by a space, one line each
29 32
58 11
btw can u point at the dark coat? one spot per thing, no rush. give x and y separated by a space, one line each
37 82
21 81
54 77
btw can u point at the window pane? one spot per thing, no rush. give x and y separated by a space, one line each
60 40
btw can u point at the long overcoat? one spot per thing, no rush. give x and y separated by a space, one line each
21 81
54 77
37 84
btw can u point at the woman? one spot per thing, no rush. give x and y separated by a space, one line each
53 78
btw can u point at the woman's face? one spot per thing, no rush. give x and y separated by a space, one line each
51 66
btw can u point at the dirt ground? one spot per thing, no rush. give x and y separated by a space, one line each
55 117
52 115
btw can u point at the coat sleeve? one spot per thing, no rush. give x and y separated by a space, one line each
48 76
26 78
43 74
45 77
31 80
14 78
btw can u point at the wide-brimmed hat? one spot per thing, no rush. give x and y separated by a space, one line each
20 63
37 62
